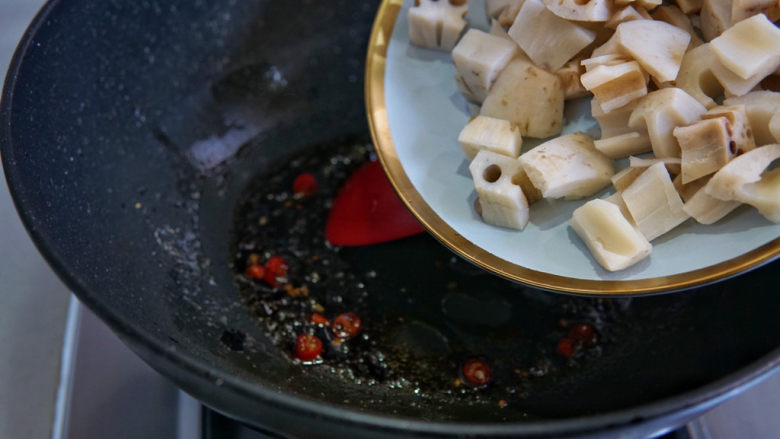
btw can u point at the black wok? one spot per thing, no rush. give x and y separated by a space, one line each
102 105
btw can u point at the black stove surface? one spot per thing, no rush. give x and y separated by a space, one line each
217 426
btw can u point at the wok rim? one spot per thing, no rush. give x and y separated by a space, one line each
693 401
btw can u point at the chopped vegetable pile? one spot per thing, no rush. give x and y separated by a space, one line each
690 83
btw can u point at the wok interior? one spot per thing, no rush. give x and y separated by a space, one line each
110 100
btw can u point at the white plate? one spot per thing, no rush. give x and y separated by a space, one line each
416 114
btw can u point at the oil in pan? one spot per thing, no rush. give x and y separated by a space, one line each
407 314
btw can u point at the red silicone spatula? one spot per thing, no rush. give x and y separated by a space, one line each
368 211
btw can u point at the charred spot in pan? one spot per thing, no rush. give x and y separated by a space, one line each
233 339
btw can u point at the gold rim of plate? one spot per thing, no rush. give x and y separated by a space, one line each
380 133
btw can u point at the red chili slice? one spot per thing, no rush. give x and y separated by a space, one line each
275 267
319 319
307 347
346 325
566 347
367 210
305 184
582 332
477 372
256 272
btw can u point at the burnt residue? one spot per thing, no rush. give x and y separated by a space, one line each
233 339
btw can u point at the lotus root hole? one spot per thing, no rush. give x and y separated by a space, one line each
492 173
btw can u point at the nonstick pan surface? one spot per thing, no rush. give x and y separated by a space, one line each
105 112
